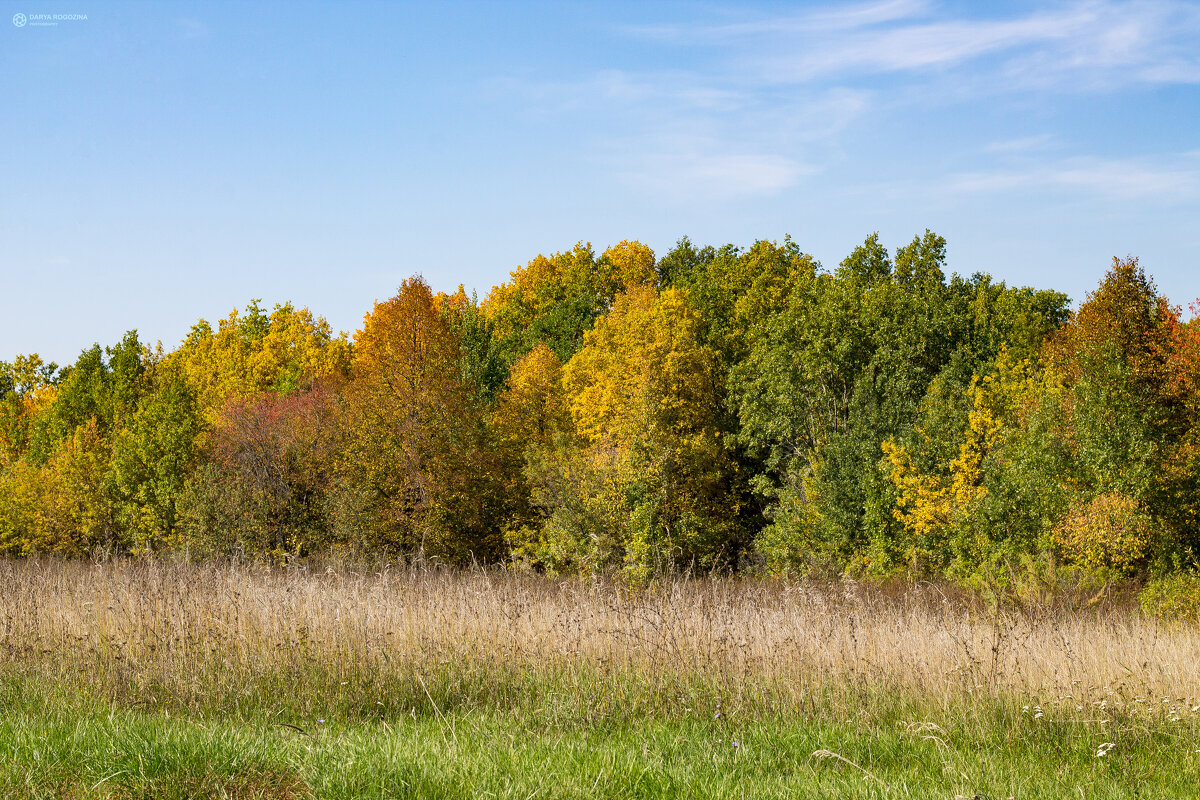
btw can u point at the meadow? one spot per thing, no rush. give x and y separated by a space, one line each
161 678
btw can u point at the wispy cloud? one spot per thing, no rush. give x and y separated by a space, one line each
818 21
915 47
1113 45
1023 144
1082 44
760 103
693 154
684 169
1160 181
687 138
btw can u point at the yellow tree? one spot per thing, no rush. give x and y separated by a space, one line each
554 299
24 492
643 400
257 352
27 392
59 507
623 267
532 408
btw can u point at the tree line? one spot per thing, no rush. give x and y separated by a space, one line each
711 409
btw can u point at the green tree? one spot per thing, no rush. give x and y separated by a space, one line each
151 461
875 352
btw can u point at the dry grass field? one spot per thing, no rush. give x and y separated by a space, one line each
182 634
469 655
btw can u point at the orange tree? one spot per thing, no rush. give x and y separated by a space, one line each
417 476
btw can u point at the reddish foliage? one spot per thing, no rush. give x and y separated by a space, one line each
273 456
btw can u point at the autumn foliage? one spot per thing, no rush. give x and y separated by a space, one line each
709 409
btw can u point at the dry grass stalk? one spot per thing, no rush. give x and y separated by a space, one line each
188 634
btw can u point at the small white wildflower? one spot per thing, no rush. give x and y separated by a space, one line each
1104 748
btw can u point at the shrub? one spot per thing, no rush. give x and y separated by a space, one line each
1109 532
1175 596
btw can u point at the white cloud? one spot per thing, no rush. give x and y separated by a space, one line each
767 100
822 20
914 47
683 137
691 170
1081 45
1023 144
693 154
1173 181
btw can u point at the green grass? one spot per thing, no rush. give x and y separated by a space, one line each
56 741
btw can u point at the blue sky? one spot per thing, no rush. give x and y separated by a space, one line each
161 162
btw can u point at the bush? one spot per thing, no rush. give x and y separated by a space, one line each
1109 533
1176 597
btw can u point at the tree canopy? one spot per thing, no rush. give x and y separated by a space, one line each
715 408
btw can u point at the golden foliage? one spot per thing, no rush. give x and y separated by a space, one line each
1110 531
643 372
624 266
60 507
532 407
553 298
644 483
256 352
